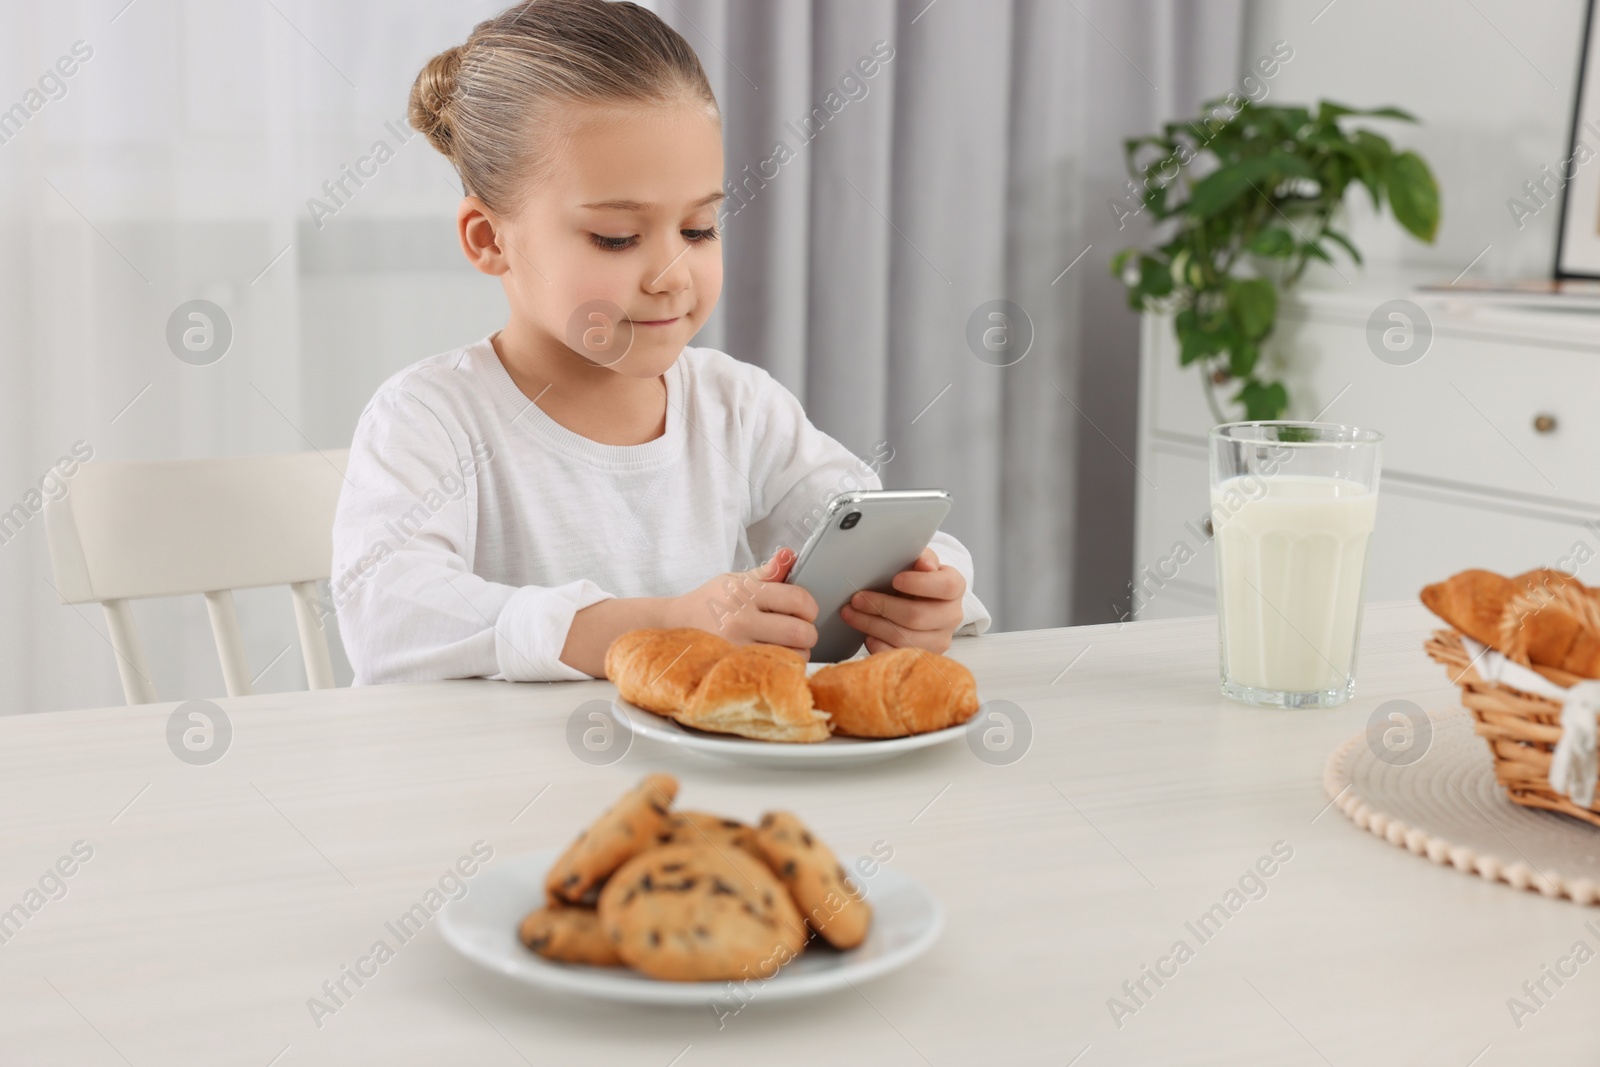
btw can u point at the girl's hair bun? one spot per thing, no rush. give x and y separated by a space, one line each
494 105
431 97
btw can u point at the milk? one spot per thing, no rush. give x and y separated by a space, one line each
1291 554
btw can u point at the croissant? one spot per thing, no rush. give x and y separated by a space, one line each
894 693
658 669
1543 617
702 681
1472 602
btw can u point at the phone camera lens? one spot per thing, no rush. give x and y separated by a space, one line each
850 520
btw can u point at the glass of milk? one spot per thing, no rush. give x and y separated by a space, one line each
1292 511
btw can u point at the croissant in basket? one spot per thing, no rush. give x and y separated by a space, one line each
1542 618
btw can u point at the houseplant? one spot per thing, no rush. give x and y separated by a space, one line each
1243 199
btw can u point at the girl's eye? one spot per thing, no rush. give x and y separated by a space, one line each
618 244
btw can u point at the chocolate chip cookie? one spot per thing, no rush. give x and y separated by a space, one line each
690 913
700 827
833 906
628 828
571 935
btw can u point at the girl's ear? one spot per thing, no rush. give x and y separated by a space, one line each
481 243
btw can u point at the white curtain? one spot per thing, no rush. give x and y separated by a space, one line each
976 165
200 151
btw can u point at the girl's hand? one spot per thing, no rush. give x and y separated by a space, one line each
751 606
927 616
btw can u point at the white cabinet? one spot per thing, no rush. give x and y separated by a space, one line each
1491 452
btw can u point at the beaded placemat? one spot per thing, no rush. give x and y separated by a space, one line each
1448 807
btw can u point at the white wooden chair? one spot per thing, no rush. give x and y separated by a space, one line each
170 528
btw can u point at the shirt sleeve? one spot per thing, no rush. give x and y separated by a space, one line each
797 469
409 606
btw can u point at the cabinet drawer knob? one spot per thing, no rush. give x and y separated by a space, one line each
1544 423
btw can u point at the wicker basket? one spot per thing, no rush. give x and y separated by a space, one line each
1522 729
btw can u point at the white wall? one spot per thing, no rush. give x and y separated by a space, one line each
1493 82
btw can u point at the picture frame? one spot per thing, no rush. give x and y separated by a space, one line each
1578 226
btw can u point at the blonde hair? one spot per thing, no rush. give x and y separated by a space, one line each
491 105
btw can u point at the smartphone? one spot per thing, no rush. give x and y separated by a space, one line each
864 540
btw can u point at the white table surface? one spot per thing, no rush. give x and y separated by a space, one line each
223 896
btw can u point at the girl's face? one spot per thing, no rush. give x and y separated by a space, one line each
616 254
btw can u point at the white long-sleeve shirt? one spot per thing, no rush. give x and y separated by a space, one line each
472 526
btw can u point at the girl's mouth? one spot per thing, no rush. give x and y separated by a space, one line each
656 322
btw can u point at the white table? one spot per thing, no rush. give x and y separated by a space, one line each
223 896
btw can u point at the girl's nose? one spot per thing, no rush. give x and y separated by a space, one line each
672 275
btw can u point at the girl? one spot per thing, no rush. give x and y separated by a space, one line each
514 505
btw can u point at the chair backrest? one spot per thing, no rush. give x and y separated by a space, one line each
169 528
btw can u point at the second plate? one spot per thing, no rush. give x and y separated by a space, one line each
834 752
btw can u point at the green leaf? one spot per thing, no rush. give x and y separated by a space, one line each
1218 190
1186 326
1253 302
1273 241
1155 198
1311 248
1374 146
1242 358
1293 120
1120 260
1262 400
1358 165
1377 155
1198 340
1155 277
1341 239
1328 111
1340 171
1414 195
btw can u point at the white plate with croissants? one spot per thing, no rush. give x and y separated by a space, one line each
656 905
764 705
